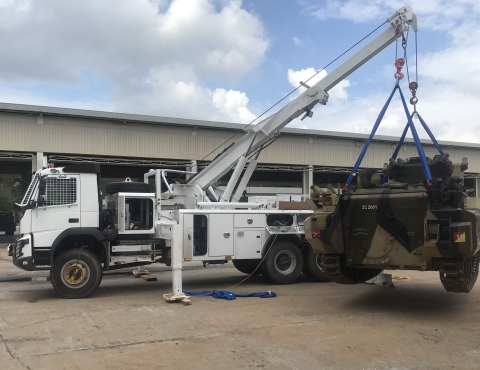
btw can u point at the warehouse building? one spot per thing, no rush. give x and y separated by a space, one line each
129 145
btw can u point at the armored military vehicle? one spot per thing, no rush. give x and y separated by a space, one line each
406 223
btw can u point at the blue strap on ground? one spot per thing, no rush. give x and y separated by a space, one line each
367 143
268 294
223 294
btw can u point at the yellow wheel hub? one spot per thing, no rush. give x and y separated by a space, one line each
74 274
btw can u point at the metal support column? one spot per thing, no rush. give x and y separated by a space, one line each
307 180
38 161
193 167
477 187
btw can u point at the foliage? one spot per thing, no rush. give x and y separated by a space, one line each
9 195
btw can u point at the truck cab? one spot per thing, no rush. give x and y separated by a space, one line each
59 202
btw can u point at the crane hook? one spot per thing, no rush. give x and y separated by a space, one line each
413 86
399 65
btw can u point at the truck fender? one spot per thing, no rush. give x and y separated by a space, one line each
295 239
90 231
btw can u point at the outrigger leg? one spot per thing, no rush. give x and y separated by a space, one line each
177 256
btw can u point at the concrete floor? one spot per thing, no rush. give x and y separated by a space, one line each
127 325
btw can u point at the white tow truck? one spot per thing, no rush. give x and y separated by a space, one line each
70 228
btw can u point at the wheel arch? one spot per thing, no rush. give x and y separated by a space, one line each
293 238
66 239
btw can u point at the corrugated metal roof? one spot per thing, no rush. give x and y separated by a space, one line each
92 114
145 119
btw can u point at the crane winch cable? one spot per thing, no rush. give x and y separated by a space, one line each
416 58
413 86
290 93
294 90
405 56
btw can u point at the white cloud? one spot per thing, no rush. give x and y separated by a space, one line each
359 115
153 54
449 82
233 104
31 98
436 14
180 94
297 41
309 76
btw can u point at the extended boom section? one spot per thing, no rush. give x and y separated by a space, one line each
266 130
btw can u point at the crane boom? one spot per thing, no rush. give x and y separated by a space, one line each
266 130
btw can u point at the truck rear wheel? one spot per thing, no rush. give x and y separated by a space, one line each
247 266
284 263
311 265
76 273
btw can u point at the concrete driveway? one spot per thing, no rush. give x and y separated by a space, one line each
127 325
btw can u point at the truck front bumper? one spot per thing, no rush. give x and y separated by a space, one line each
21 252
25 263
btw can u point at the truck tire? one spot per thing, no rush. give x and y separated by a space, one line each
247 266
127 187
76 273
283 263
311 265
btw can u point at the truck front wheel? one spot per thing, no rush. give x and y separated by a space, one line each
283 263
76 273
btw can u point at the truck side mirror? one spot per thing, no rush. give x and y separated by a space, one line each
40 201
42 186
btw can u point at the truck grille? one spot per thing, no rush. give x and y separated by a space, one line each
60 191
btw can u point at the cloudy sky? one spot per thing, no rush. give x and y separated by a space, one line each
229 60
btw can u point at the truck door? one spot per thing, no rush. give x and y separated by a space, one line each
60 209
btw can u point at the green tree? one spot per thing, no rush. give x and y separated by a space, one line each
9 195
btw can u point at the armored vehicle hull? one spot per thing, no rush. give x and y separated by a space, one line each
399 226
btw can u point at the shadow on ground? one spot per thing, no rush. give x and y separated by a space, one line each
421 301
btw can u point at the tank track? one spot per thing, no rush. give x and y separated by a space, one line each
459 275
336 270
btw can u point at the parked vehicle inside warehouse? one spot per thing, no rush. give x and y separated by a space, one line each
7 223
